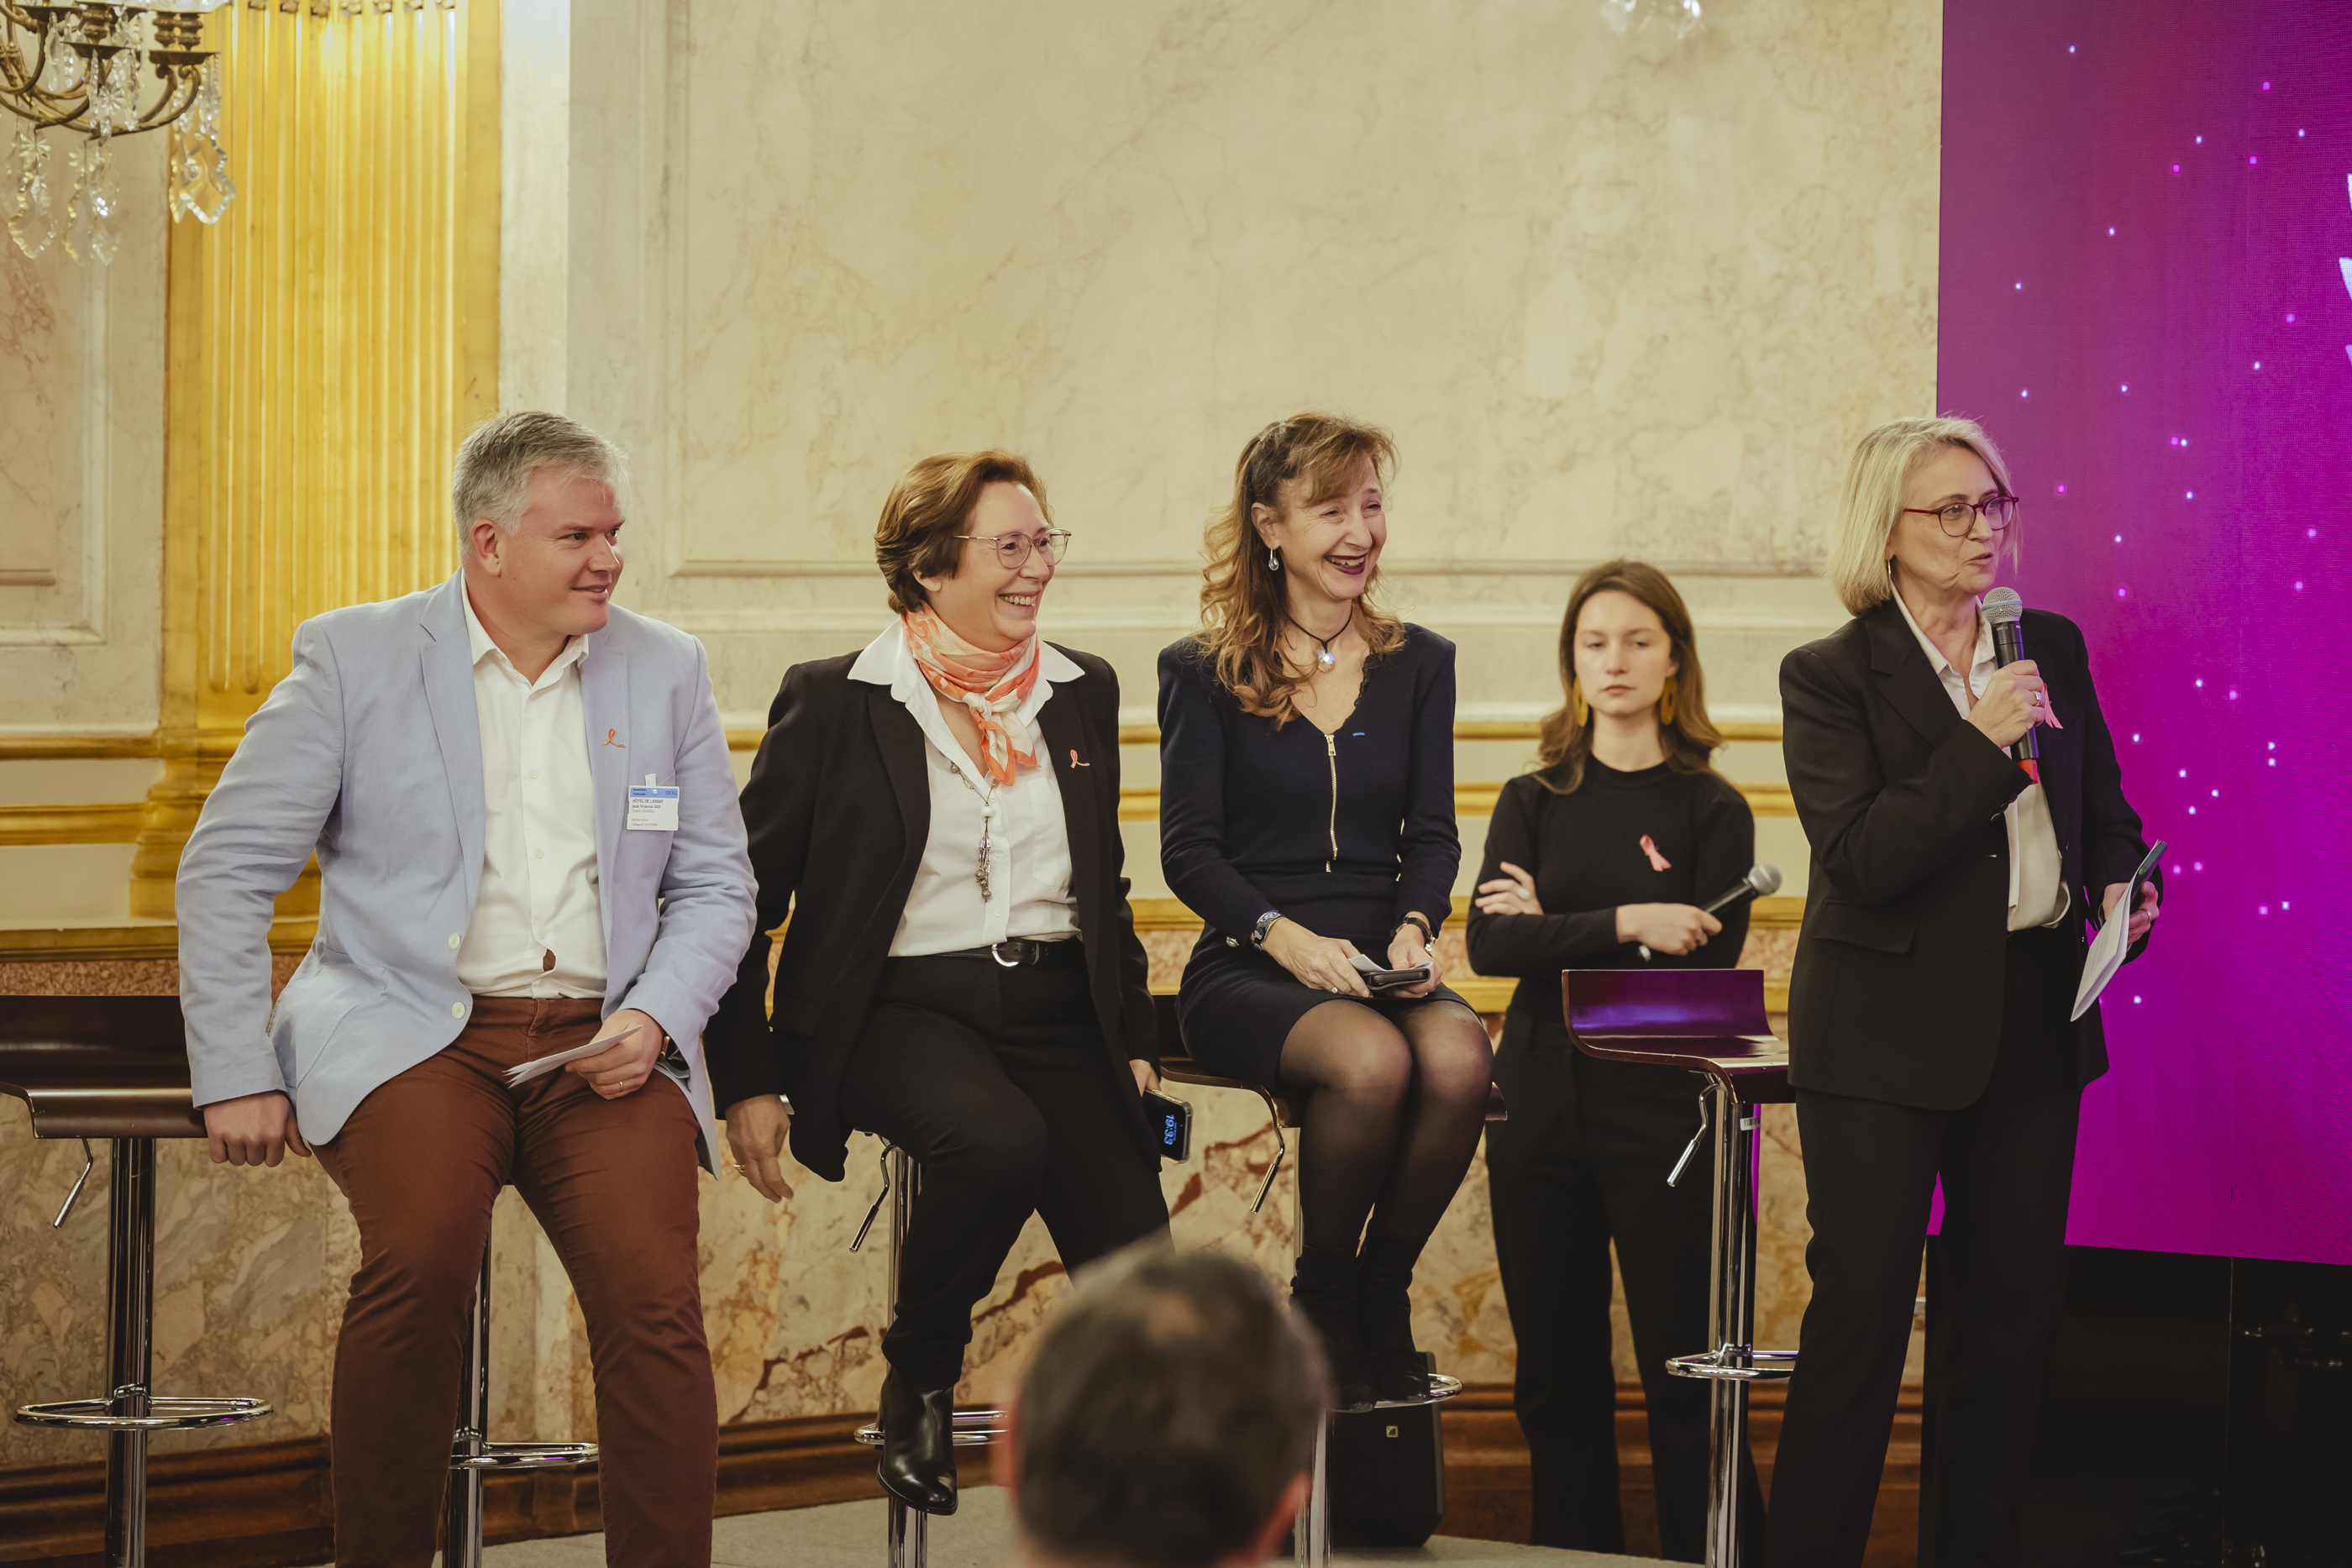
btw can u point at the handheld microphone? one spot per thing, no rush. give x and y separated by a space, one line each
2002 611
1761 882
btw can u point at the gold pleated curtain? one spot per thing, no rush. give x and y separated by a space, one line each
330 340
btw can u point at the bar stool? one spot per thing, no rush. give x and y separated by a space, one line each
907 1543
1311 1537
115 1068
472 1455
1710 1021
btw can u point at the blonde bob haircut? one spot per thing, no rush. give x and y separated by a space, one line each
1872 502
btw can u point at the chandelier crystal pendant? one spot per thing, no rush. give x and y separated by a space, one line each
78 68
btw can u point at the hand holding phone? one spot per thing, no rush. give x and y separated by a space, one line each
1378 980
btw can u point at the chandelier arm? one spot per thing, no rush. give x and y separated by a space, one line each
179 93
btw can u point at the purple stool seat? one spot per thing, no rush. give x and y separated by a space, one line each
1712 1022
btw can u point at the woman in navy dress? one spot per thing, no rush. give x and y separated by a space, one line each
1306 816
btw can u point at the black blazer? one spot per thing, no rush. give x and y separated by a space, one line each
838 810
1896 994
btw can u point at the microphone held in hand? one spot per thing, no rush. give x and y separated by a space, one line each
1761 882
2002 611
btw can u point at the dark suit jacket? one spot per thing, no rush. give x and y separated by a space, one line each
838 810
1897 995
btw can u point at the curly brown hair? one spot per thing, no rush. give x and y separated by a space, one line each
1244 608
1690 737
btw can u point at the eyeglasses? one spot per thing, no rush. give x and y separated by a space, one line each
1958 517
1012 549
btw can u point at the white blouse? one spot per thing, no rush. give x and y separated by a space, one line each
2037 880
1029 840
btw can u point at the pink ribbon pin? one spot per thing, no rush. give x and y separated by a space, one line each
1657 861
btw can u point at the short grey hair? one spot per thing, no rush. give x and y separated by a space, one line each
492 475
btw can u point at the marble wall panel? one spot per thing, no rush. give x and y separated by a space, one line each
82 465
1614 293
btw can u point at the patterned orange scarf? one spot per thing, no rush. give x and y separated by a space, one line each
991 688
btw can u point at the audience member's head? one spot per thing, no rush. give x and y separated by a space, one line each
1168 1419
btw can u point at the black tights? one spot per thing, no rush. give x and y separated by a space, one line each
1394 1107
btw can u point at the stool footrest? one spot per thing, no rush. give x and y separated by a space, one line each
165 1412
525 1457
972 1427
1737 1366
1440 1388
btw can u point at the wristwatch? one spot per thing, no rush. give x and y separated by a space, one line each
1264 924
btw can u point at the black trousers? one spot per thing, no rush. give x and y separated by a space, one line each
998 1083
1582 1161
1996 1284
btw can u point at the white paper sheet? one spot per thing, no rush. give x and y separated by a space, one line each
2105 957
539 1066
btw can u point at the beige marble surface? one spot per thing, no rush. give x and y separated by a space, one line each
82 465
1614 293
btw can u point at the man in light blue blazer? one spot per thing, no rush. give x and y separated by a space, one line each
528 842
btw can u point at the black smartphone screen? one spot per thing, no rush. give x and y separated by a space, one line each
1173 1122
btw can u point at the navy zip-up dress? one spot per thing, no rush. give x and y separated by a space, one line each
1343 833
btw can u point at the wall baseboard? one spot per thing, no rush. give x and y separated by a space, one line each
271 1505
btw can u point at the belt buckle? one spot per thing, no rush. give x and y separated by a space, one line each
1001 961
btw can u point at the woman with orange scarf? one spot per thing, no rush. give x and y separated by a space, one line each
938 817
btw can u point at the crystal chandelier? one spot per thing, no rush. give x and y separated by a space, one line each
77 67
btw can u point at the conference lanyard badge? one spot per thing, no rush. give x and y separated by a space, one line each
653 807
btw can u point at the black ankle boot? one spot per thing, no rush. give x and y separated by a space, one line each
1324 1288
1384 1287
918 1464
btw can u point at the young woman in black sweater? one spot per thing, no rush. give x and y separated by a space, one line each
1307 815
1610 845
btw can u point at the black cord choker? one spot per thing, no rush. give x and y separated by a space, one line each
1323 649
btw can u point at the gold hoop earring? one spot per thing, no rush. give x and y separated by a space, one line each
1578 708
1666 703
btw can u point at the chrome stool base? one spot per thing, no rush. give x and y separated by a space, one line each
164 1413
1737 1364
908 1541
973 1429
472 1455
129 1414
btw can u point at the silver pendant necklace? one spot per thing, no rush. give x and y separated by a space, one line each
1323 657
987 823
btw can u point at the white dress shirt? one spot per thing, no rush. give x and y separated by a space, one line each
539 895
2037 881
1029 840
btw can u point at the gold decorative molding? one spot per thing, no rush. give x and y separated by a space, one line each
131 940
329 341
1140 802
75 748
1515 729
108 824
1488 993
1783 913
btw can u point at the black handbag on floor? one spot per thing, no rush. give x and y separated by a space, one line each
1384 1474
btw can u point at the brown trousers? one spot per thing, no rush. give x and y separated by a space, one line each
612 1182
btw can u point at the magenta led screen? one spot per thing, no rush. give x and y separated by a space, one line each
2144 295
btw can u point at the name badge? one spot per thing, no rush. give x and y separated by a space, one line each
653 807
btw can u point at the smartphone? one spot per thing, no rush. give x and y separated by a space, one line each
1174 1124
1379 979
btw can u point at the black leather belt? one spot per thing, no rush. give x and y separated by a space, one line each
1014 952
